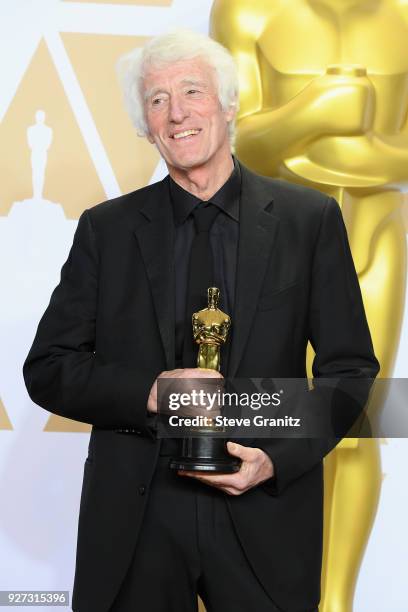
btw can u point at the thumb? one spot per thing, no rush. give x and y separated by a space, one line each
237 450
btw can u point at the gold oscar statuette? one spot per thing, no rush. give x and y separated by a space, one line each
203 452
210 330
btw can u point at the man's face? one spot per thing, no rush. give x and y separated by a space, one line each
184 115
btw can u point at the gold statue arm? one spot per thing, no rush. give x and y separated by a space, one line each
207 336
270 135
374 160
204 333
378 159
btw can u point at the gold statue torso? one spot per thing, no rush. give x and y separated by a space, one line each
210 330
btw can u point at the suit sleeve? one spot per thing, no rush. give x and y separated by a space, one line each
62 372
339 334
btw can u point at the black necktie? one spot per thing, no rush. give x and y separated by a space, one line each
200 275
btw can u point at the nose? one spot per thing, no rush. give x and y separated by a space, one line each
178 110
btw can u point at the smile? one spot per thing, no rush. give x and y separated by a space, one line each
185 134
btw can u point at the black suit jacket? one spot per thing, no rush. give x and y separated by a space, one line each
109 330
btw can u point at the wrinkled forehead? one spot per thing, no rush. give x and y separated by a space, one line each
180 73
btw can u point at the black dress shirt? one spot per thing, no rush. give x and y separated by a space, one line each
224 242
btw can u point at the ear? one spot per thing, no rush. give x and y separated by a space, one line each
231 112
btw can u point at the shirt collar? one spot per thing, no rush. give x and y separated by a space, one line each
226 198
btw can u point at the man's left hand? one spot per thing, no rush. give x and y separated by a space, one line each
256 467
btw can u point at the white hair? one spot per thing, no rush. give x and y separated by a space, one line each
179 44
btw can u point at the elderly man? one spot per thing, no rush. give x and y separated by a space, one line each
150 538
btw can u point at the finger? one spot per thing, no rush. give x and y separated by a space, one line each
246 453
213 477
235 481
236 492
205 373
199 476
230 490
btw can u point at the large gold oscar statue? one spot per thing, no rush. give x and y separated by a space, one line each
324 102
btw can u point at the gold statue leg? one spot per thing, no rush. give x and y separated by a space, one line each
352 471
352 491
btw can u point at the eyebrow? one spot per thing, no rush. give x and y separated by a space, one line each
187 81
192 81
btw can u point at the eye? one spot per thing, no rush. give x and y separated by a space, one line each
158 100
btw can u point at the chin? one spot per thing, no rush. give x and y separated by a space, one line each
188 161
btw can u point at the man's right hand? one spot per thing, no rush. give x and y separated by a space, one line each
178 373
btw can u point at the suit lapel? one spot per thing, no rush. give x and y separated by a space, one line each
257 235
155 235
